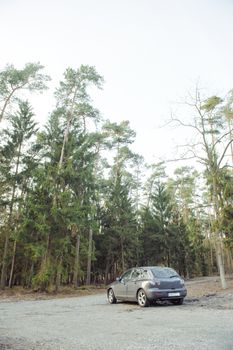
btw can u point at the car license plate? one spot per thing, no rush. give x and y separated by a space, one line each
175 294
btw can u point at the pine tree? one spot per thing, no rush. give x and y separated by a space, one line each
13 154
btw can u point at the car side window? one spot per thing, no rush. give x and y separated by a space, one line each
144 274
126 276
135 274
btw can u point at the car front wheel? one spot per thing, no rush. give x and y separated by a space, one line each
111 297
142 298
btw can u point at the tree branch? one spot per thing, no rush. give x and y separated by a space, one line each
219 140
224 152
178 159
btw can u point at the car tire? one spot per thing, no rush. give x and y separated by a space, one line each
177 301
111 297
142 298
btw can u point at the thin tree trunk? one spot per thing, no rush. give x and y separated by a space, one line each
107 270
231 137
65 139
230 261
168 257
219 250
221 265
58 275
12 264
4 261
88 280
66 135
76 262
47 252
122 255
211 258
29 282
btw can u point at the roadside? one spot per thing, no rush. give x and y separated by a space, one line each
207 292
19 293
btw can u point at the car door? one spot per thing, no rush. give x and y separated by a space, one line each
132 284
120 289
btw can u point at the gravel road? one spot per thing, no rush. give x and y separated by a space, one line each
90 323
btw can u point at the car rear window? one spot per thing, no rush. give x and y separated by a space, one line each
164 272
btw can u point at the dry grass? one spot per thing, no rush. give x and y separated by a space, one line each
20 293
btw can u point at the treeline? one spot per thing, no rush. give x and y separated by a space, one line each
79 207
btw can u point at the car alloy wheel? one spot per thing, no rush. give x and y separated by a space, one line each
111 297
142 298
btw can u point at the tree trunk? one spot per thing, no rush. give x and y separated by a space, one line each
4 262
122 255
12 264
230 136
107 268
47 252
229 261
67 130
76 262
29 279
88 280
65 139
219 250
58 275
221 265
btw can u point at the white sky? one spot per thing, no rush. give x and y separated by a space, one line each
150 52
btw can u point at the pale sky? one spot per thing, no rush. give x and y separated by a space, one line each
150 52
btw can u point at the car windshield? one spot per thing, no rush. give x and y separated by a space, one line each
164 272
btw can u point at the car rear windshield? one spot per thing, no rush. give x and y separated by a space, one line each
164 272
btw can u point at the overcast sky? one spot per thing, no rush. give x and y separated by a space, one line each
150 52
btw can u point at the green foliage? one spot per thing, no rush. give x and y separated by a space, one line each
13 80
42 280
211 103
77 80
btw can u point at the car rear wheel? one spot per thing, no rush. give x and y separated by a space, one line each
177 301
142 298
111 297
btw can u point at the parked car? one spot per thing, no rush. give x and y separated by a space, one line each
146 285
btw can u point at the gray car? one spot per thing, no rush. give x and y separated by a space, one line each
146 285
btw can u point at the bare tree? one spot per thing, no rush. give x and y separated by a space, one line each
209 149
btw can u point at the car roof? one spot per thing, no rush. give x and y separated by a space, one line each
153 267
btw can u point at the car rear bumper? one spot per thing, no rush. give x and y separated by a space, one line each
166 294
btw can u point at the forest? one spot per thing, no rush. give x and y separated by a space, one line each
78 206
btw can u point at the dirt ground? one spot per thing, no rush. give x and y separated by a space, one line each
204 286
207 292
